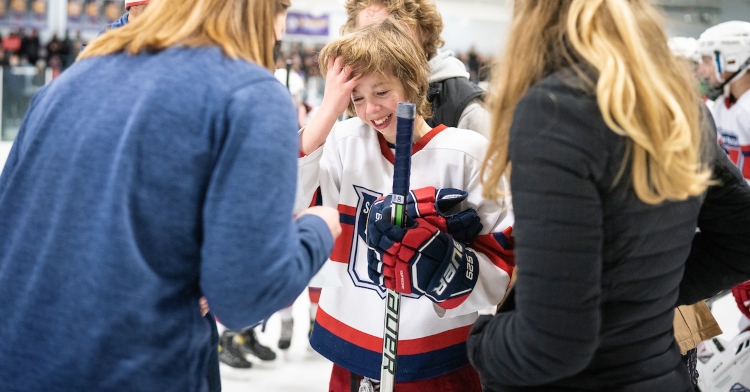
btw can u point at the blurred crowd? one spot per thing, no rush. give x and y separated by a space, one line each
477 64
25 47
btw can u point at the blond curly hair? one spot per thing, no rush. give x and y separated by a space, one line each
420 15
384 49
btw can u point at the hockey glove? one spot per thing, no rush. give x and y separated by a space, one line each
420 259
433 205
742 297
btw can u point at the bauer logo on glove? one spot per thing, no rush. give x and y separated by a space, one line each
453 269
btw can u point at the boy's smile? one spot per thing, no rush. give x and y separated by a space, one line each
375 99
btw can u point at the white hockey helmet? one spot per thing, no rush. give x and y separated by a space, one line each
724 366
728 44
686 47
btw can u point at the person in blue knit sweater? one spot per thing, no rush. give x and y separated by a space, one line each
139 183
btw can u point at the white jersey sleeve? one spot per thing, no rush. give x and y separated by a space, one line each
493 248
319 169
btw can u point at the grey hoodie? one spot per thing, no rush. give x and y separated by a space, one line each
474 117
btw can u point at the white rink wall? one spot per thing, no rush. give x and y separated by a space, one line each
4 151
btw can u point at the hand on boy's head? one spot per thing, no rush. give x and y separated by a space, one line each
340 81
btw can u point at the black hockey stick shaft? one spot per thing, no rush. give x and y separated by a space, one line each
405 113
288 71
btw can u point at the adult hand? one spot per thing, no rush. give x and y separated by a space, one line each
329 215
204 306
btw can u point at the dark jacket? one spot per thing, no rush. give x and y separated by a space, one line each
599 271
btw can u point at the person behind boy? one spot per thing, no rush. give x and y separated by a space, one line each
727 47
725 51
367 73
456 101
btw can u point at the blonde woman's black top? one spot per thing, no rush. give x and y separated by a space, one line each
600 271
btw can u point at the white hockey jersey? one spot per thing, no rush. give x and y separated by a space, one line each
733 127
353 168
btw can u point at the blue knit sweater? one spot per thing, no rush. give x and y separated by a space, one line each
136 185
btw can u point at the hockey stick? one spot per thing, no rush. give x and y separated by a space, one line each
401 170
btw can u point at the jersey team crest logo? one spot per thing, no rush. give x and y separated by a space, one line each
357 266
358 269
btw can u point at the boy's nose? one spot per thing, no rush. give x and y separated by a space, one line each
372 108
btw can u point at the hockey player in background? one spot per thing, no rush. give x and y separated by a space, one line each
367 73
725 54
726 48
692 323
687 48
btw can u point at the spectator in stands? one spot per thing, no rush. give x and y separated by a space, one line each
30 46
54 48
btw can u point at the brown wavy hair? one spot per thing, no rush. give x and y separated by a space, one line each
421 15
643 91
384 49
241 28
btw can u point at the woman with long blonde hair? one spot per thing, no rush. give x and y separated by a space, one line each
159 168
600 129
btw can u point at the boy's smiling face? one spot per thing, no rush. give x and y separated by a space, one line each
375 99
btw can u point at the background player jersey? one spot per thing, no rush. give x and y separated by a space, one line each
353 169
733 127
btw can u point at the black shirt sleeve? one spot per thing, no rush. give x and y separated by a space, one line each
720 255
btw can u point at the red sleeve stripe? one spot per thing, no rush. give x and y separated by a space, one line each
405 347
343 245
317 199
314 294
498 247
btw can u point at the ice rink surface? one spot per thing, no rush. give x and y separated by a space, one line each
300 369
